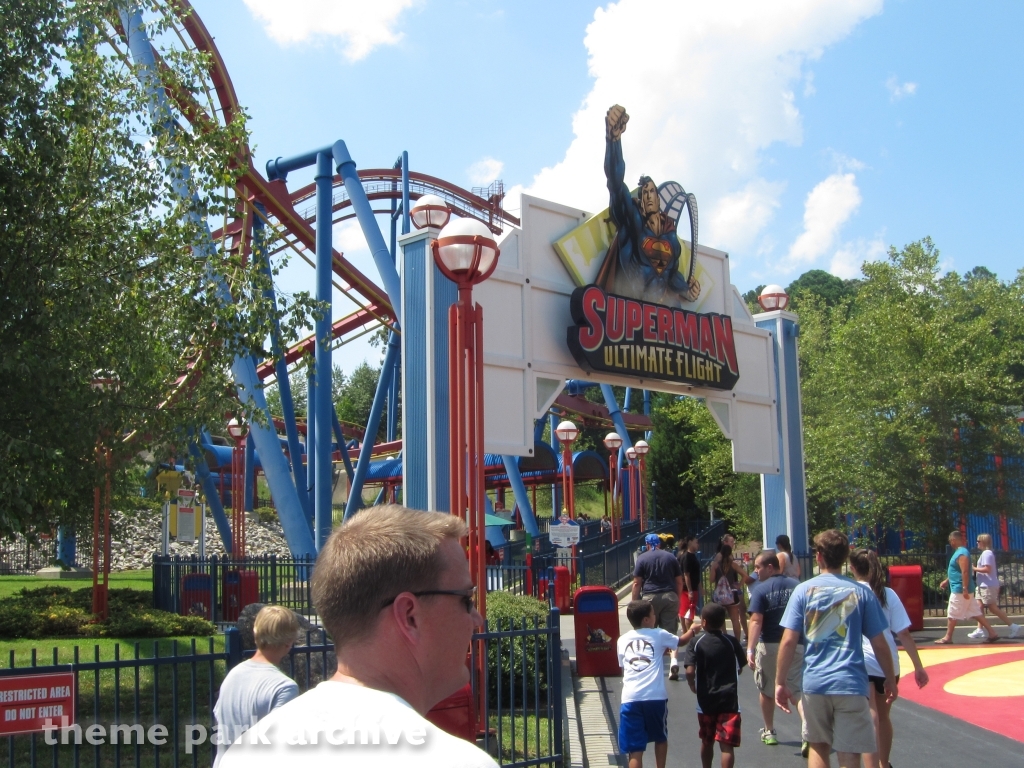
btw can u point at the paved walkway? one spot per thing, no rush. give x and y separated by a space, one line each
971 712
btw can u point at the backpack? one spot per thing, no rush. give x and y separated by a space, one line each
723 592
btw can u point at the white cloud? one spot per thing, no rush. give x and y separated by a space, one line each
847 261
708 86
484 171
829 205
738 218
361 25
898 90
845 162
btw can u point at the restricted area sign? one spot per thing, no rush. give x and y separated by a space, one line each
27 702
564 534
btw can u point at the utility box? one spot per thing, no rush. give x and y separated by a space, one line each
195 595
596 613
907 581
240 588
455 715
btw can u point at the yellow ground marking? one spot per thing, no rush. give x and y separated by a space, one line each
932 656
1000 680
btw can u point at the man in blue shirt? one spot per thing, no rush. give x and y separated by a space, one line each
658 579
831 613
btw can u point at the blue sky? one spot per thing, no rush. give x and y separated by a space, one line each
814 133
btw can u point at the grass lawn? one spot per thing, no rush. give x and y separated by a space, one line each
141 579
65 647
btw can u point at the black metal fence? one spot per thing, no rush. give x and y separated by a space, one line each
218 588
152 706
21 556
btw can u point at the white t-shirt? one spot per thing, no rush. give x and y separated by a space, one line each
898 620
990 579
249 693
640 656
341 724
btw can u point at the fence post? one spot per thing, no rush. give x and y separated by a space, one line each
213 588
555 679
233 646
581 567
273 579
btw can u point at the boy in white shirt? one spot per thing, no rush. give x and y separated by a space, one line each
643 717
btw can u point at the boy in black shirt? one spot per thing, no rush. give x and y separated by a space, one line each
713 663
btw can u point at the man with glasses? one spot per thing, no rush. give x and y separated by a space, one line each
768 601
392 587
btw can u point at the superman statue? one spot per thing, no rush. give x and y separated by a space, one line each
643 259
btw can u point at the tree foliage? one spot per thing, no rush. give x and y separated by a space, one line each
106 271
909 390
691 460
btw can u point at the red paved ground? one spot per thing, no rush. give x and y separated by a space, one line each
981 685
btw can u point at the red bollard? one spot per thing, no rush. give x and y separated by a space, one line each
562 583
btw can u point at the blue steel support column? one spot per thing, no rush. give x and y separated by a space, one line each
784 496
243 370
284 384
522 497
372 425
405 193
206 480
392 430
339 438
323 513
250 474
66 546
311 456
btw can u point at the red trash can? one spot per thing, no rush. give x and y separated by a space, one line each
195 595
596 612
455 714
562 582
907 581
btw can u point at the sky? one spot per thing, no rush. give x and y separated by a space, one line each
814 133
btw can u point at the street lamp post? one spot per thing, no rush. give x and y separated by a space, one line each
237 432
613 443
466 254
641 449
631 474
567 433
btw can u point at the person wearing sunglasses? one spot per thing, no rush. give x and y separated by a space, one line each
393 589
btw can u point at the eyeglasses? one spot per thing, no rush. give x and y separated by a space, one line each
468 596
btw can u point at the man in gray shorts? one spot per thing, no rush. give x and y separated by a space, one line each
831 613
658 579
768 600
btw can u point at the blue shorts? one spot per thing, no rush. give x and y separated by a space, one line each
641 722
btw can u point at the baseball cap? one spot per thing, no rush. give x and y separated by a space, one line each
652 539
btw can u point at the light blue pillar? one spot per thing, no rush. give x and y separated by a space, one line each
784 496
556 488
66 546
311 455
426 295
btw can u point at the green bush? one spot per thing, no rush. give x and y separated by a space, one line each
150 622
53 611
513 661
266 514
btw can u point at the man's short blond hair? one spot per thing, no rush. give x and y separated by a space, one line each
275 626
375 556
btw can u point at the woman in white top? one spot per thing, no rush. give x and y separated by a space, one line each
866 568
988 586
784 551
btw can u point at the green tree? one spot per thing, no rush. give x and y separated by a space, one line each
103 273
356 397
907 386
691 460
826 286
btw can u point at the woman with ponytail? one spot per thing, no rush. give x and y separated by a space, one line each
866 569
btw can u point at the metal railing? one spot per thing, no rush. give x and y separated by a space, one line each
162 702
20 556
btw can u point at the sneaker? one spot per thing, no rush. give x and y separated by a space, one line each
978 634
1014 630
768 737
805 748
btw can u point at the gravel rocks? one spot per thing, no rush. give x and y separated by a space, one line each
136 537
